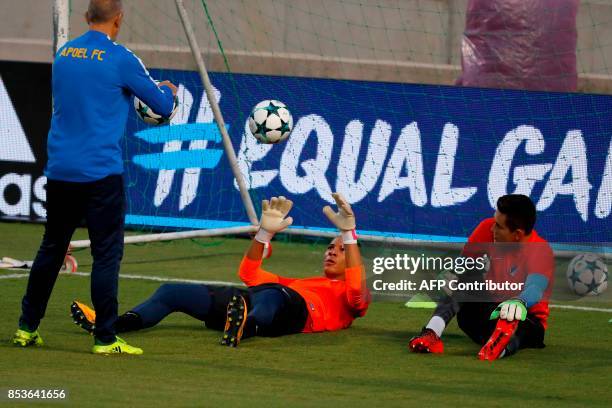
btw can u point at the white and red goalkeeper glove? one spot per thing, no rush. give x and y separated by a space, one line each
273 218
344 219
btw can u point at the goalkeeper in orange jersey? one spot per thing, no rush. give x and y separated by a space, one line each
271 305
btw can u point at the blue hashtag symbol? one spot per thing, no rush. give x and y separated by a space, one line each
203 159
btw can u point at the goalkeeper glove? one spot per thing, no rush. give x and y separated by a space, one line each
344 219
273 219
513 309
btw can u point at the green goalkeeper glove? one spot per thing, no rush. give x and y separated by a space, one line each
344 219
273 219
513 309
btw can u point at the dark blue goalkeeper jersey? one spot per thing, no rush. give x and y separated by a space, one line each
93 80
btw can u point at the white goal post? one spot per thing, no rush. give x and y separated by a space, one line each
61 23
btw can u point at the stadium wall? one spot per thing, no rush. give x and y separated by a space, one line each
420 46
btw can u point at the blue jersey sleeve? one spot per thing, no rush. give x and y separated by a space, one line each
535 285
137 80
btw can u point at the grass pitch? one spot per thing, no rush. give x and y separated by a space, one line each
366 365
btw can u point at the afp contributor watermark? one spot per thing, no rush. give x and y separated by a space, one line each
442 284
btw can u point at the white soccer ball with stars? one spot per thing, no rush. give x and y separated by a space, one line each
587 275
147 115
270 121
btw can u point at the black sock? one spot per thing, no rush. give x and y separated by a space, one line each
512 347
128 321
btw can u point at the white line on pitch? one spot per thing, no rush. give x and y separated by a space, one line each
14 275
590 309
211 282
138 277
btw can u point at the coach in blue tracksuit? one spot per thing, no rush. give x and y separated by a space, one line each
93 81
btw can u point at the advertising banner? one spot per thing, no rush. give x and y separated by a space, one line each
416 161
25 111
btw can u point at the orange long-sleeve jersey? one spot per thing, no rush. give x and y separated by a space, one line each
332 304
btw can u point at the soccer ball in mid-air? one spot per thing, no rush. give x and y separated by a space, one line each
147 115
270 121
587 274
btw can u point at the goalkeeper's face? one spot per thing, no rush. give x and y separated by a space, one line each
334 261
502 232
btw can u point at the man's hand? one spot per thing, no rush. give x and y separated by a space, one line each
344 219
273 219
169 85
513 309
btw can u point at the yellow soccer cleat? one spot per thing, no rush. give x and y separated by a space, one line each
24 338
118 347
83 316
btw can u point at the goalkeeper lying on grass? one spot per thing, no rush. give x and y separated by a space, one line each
518 255
271 305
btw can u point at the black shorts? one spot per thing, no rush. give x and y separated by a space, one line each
473 319
221 296
290 319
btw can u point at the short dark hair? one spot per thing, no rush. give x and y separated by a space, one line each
101 11
519 210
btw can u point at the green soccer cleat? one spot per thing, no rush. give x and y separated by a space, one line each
24 338
118 347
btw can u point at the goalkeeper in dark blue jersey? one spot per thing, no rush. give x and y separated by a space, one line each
93 81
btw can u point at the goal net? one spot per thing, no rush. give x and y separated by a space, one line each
420 112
